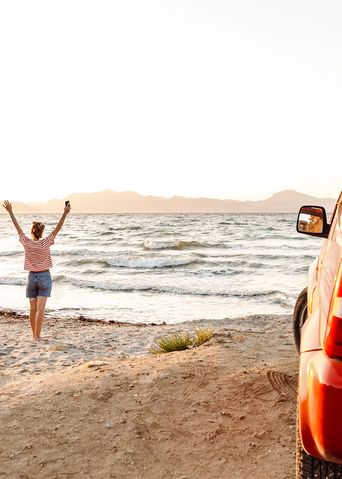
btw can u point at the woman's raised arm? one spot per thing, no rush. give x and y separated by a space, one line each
7 205
61 221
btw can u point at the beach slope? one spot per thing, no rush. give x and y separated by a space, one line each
75 408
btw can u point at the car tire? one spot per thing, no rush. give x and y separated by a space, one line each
309 467
300 314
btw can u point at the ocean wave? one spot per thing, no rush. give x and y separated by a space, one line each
150 263
10 253
79 252
112 231
217 272
286 220
126 228
58 278
174 244
283 299
237 263
268 256
132 262
85 261
275 296
12 281
232 223
276 236
299 269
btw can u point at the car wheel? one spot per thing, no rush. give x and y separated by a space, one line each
300 314
309 467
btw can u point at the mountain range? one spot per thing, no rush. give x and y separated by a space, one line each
110 201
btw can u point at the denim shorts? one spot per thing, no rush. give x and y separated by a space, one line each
38 284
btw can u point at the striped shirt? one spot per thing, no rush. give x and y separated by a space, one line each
37 253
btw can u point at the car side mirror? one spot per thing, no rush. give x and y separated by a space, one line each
312 220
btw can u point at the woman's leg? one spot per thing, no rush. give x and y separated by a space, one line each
33 313
41 302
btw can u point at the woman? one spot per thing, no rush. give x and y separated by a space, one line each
37 262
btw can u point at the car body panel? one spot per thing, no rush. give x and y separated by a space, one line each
310 339
312 283
320 400
320 377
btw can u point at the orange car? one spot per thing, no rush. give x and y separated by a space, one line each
317 327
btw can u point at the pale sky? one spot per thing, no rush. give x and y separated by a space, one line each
221 98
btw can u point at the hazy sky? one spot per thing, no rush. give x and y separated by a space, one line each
221 98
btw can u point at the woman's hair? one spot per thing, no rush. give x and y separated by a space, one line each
37 229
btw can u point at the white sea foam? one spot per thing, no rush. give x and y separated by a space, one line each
78 252
171 244
12 281
150 263
276 296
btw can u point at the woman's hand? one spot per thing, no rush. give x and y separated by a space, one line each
8 206
61 221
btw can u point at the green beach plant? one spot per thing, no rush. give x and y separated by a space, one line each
202 336
181 341
172 342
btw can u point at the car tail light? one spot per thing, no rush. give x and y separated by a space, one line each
333 339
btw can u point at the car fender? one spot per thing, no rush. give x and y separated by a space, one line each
320 398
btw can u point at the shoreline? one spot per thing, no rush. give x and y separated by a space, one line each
284 318
71 341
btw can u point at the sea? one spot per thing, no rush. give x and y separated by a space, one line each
164 268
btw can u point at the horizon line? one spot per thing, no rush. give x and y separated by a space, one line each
34 202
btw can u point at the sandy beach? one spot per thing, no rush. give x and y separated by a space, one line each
91 401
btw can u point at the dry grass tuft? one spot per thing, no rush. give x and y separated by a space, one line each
202 336
181 341
172 342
